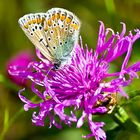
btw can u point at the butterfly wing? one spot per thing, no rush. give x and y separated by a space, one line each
33 27
54 33
63 29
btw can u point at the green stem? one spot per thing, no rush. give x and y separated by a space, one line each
121 117
9 123
110 6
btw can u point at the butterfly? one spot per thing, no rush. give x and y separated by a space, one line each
53 33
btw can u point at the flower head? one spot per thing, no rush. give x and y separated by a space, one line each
81 85
20 60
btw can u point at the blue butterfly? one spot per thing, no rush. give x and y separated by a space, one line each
54 33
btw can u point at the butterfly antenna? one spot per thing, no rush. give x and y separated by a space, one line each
51 68
55 67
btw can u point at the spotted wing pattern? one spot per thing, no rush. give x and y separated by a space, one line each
54 33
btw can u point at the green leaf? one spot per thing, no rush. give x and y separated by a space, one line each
122 118
5 124
133 96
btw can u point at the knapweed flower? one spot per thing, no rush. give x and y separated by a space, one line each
20 60
84 85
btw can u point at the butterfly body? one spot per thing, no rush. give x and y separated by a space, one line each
54 33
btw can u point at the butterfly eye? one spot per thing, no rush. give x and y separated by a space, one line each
66 29
53 47
54 25
66 42
33 29
31 34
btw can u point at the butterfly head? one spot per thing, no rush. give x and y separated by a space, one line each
56 66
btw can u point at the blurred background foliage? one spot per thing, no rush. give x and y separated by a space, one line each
13 40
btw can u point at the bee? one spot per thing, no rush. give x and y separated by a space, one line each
109 101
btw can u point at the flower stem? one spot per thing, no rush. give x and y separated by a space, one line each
121 117
8 123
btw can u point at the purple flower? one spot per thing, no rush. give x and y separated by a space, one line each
20 60
83 85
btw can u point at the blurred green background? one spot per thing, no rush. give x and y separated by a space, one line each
13 40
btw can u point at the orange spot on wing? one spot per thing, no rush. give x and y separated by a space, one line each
42 20
53 16
34 21
49 22
68 20
62 17
30 22
75 26
57 15
46 28
26 25
39 20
